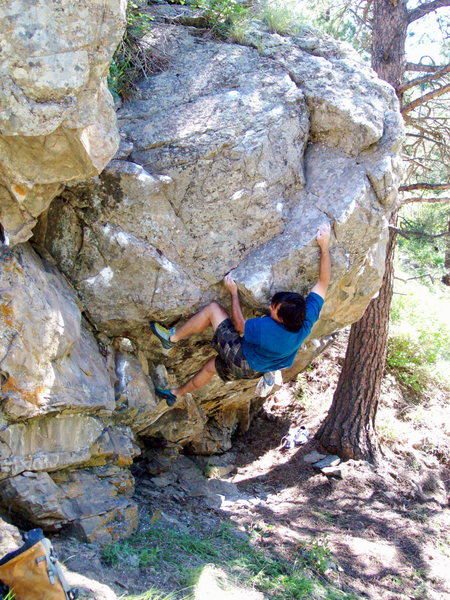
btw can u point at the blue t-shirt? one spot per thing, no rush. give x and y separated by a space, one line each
269 346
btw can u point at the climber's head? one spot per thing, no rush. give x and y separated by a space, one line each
288 308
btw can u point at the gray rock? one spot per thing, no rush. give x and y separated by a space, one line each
313 457
162 481
50 362
328 461
229 160
214 501
334 471
233 155
10 538
95 503
57 120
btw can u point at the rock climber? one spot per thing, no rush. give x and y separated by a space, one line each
268 343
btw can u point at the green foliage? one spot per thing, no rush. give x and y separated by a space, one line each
281 17
419 342
223 16
133 59
302 393
152 594
241 559
421 254
407 358
316 555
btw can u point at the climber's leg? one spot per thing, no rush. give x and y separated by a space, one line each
199 380
212 314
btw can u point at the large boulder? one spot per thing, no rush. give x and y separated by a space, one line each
230 159
57 119
73 411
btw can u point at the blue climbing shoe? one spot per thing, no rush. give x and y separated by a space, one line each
166 395
163 334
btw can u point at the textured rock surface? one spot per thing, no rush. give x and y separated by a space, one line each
230 159
57 408
10 538
57 120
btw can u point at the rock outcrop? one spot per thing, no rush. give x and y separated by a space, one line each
57 120
229 161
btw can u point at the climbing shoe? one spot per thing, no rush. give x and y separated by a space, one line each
163 334
166 395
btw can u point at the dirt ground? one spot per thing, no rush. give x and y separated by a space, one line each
388 529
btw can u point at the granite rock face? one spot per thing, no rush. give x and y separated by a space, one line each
57 120
229 161
57 408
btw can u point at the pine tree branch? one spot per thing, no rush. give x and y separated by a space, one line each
423 68
441 199
422 99
426 138
425 8
424 186
405 234
425 79
411 278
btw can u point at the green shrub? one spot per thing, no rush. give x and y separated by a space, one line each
281 17
407 360
424 255
222 16
133 58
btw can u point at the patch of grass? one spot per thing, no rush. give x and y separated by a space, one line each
316 555
302 394
151 594
282 17
419 341
407 359
134 58
224 17
244 564
324 515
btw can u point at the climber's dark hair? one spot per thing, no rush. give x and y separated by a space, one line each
291 309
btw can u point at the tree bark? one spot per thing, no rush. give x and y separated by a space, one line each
389 30
446 277
349 428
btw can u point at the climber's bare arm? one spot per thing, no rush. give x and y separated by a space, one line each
236 311
323 239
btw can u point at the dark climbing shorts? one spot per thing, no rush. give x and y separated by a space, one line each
231 364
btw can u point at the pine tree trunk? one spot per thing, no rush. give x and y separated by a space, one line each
349 428
389 30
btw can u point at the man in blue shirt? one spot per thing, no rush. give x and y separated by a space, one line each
269 343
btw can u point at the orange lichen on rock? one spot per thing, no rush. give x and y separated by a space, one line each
31 396
7 313
19 190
